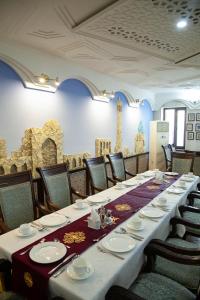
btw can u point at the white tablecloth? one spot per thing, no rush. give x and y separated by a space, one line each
109 270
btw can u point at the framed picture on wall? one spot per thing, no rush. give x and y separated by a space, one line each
189 126
190 135
191 117
197 116
197 127
197 135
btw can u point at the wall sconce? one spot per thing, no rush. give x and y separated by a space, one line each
104 96
44 79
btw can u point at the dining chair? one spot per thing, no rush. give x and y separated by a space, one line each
182 162
191 216
18 204
57 186
187 274
167 149
97 173
194 197
196 164
154 286
118 166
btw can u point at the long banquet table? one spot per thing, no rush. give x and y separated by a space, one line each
109 270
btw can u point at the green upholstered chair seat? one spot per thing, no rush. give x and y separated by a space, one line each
157 287
181 165
187 275
197 203
58 187
118 166
10 296
16 204
194 218
98 174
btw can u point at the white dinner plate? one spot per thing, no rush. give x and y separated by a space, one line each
74 275
158 203
129 184
187 179
52 220
173 190
171 173
96 200
84 206
118 243
152 212
131 227
47 252
31 233
148 174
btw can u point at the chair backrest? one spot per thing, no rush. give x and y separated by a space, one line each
57 184
182 162
117 165
17 201
167 149
196 165
96 169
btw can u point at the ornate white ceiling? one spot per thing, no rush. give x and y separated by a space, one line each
134 40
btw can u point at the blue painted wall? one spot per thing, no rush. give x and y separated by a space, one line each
81 118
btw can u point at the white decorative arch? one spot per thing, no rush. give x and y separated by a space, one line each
27 77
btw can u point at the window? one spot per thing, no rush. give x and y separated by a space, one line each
176 119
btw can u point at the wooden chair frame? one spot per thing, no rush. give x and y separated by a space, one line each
54 170
96 161
18 178
112 158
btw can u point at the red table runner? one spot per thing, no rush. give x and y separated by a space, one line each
31 279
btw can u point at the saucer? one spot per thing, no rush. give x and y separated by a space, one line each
120 187
157 203
131 227
84 206
31 232
74 275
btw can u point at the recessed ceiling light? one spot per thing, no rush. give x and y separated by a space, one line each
181 24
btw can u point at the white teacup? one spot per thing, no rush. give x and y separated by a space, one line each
25 229
136 222
120 185
162 200
190 174
139 177
80 266
182 183
79 203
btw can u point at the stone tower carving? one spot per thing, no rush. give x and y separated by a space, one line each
118 146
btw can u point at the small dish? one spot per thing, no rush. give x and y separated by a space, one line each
31 233
84 206
74 275
131 227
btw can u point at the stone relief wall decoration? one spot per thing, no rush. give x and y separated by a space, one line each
75 160
118 146
139 139
102 146
40 147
